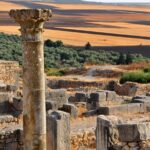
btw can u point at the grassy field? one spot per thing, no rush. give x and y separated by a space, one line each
76 24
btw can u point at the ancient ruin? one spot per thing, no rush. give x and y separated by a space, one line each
61 114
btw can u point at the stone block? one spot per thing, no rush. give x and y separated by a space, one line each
134 132
4 97
110 96
11 88
96 100
51 105
58 130
98 96
90 113
58 95
126 108
3 87
72 99
102 130
4 102
81 97
103 111
18 103
71 109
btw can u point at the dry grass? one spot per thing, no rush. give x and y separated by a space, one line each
6 6
70 26
80 39
136 66
97 7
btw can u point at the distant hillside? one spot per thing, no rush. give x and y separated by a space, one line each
57 56
62 1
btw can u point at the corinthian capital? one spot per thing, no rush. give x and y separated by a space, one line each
35 15
31 22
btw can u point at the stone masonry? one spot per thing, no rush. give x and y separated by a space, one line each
9 72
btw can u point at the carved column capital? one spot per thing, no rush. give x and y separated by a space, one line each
31 22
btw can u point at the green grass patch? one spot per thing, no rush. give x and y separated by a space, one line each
140 76
55 72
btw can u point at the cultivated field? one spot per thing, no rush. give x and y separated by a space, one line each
76 24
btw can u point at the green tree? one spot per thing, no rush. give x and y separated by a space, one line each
49 43
88 45
129 58
121 59
59 43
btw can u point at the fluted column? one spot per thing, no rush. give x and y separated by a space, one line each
34 112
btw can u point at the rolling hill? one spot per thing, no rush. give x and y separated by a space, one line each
106 26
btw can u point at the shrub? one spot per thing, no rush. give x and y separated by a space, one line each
58 56
54 72
137 76
146 69
50 43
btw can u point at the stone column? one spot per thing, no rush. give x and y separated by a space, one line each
58 130
102 134
34 111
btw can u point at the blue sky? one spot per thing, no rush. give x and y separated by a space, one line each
121 1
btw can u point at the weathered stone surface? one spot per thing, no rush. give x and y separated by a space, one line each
11 88
141 99
134 132
81 97
58 130
9 72
90 113
98 96
110 96
104 124
18 103
32 22
11 138
58 84
72 99
53 105
96 100
4 102
59 96
127 89
71 109
126 108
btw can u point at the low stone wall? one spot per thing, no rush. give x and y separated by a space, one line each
11 139
124 109
127 89
9 72
114 133
54 84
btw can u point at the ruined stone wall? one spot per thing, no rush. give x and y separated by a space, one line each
11 140
123 142
9 72
54 84
113 133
